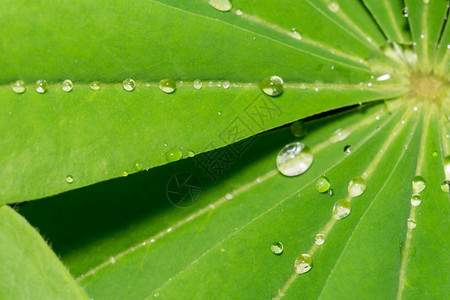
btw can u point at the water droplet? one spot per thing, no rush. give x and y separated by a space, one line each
322 184
445 186
168 85
67 85
222 5
426 1
272 86
405 13
191 154
277 248
356 186
41 86
303 263
226 84
384 77
418 184
137 166
124 174
69 179
447 165
411 223
95 85
197 84
347 149
298 129
18 86
330 192
333 6
174 154
416 199
340 135
229 196
295 34
319 239
435 154
129 84
294 159
112 260
341 209
239 12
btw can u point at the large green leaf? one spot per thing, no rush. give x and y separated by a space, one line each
203 227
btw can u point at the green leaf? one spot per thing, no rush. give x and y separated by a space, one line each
28 268
87 136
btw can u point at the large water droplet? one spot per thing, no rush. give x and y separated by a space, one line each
445 186
129 84
341 209
356 186
197 84
41 86
174 154
272 86
319 239
168 85
277 248
333 6
411 223
303 263
18 86
298 129
418 184
294 159
69 179
222 5
416 199
322 184
95 85
67 85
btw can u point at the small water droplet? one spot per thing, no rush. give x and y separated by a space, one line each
333 6
197 84
277 248
222 5
405 13
138 166
174 154
418 184
272 86
356 186
112 260
303 263
340 135
298 129
295 34
191 154
322 184
18 86
347 149
156 294
411 223
447 165
229 196
41 86
319 239
168 85
69 179
95 85
384 77
226 84
67 85
129 84
331 192
294 159
435 154
239 12
124 174
341 209
416 199
445 186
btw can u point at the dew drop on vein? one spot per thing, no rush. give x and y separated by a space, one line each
95 85
303 263
356 186
411 223
197 84
277 248
341 209
174 154
322 184
340 135
222 5
445 186
319 239
18 86
418 184
129 84
416 199
294 159
333 7
168 85
67 85
41 86
272 86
